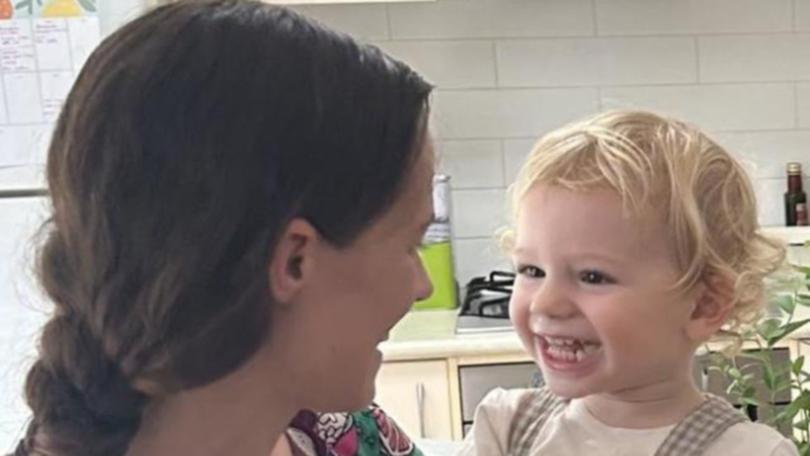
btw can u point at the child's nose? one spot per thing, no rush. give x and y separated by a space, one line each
553 301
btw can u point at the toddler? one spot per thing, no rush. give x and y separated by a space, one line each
635 241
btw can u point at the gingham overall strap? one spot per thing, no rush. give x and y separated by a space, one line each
693 435
533 410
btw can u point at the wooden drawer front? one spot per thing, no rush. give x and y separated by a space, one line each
477 381
417 396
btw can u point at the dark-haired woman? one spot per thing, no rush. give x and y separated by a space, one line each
238 194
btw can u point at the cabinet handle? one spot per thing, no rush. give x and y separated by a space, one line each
420 407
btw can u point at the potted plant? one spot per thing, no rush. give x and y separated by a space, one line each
751 372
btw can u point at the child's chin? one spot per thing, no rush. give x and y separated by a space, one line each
567 389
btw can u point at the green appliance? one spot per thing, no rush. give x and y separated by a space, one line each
437 251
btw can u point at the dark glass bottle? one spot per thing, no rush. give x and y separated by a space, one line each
795 197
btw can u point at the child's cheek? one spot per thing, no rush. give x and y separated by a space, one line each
519 314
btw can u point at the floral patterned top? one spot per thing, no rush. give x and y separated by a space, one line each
366 433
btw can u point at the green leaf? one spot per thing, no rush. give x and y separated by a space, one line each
758 355
734 373
790 412
802 425
783 382
767 328
768 376
798 363
783 331
786 303
800 403
730 388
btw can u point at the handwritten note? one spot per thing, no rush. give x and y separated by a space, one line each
39 60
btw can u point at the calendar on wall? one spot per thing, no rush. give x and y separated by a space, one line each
43 45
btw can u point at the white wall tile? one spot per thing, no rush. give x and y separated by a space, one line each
477 257
491 18
713 107
802 15
472 164
803 104
362 21
478 213
448 64
750 58
647 17
507 113
770 201
113 14
591 61
769 151
515 152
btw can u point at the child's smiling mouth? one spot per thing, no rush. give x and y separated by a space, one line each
568 354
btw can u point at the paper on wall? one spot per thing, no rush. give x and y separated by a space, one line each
42 49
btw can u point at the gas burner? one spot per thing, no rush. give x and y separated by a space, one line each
488 296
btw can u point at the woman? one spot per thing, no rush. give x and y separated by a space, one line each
238 195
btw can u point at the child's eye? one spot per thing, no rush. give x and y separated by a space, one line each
595 278
530 271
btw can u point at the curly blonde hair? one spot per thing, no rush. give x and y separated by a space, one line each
648 159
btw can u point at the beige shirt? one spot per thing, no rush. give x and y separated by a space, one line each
575 431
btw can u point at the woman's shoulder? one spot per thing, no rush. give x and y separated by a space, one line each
752 438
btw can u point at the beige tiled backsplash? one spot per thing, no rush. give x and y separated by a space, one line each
689 17
595 61
718 107
507 71
463 19
456 64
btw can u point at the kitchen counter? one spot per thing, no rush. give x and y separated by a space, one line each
430 334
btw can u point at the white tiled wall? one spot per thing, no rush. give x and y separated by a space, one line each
507 71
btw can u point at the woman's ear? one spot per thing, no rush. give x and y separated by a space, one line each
714 301
292 260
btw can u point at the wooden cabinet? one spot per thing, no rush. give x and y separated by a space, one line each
417 395
436 399
475 381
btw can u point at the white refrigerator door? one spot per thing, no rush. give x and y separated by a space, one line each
23 310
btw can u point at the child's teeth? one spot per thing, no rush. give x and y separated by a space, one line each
569 349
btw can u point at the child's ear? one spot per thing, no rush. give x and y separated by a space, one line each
292 260
714 301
